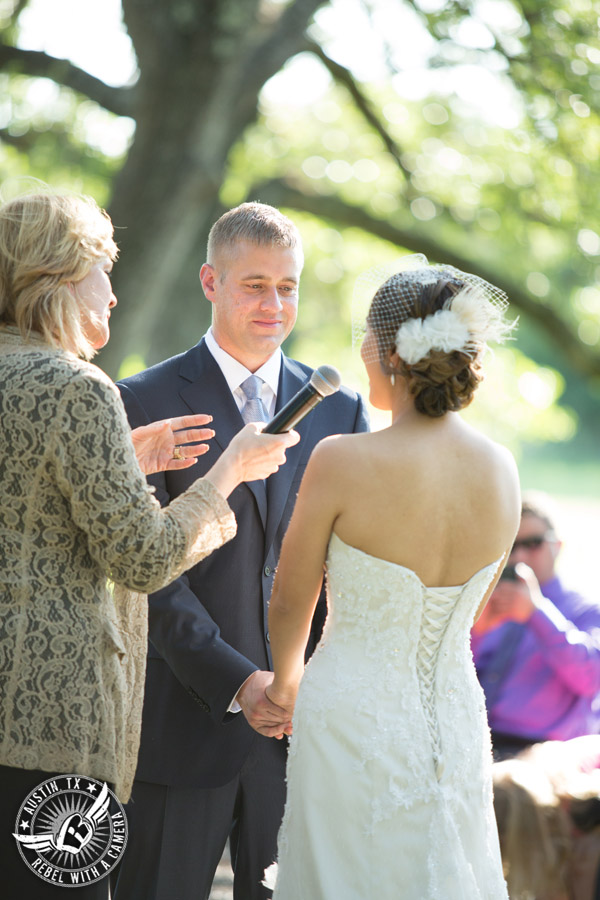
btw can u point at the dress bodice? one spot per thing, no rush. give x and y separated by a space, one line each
393 631
349 567
387 604
390 728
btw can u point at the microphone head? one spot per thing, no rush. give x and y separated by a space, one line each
326 380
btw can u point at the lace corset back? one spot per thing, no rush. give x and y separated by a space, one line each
390 726
364 587
404 649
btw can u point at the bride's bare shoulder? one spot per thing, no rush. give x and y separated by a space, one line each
493 469
339 446
491 450
337 454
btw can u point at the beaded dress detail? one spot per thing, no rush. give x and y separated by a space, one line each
389 772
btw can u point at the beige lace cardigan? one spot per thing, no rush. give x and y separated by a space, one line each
75 511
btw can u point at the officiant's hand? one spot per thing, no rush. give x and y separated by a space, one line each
171 443
262 714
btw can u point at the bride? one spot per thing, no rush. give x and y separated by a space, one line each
389 783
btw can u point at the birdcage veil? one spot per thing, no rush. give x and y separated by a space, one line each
387 299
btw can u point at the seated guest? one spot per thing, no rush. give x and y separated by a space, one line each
537 644
547 809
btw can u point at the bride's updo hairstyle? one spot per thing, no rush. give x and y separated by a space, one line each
441 381
438 320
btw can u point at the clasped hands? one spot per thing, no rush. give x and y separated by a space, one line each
266 709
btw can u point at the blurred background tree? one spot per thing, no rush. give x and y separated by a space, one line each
464 129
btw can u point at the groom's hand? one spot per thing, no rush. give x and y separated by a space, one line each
262 714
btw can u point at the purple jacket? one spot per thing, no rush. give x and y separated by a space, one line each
542 678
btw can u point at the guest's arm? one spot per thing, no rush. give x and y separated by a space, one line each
568 639
571 648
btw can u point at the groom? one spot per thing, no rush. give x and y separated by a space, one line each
204 775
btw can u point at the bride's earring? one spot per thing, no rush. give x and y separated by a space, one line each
393 379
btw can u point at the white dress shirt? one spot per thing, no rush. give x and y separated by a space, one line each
235 373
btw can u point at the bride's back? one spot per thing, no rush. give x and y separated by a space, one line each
429 494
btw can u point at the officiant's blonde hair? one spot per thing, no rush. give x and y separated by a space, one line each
48 242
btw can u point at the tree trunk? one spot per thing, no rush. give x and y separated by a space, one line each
189 115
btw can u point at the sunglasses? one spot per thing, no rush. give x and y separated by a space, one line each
531 543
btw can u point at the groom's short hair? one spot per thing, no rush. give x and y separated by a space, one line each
256 223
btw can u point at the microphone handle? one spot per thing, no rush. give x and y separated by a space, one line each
293 411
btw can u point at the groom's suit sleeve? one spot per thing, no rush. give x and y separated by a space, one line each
180 628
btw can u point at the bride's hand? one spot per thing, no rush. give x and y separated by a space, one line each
171 443
261 713
285 697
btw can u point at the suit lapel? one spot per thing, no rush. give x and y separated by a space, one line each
206 391
291 379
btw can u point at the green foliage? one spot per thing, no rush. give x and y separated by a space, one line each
449 185
503 177
518 403
131 365
54 136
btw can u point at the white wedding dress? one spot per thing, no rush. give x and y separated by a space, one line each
389 772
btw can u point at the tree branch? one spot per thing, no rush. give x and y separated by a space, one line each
285 38
363 104
67 150
18 7
35 63
22 142
582 358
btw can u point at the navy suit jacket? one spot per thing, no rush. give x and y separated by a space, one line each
208 629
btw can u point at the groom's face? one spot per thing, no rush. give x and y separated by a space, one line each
254 292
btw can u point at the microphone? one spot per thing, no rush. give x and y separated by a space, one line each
324 381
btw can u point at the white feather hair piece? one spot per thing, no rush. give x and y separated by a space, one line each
467 322
386 297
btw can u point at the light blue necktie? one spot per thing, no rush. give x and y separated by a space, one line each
253 410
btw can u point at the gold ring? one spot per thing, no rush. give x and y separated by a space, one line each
177 454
